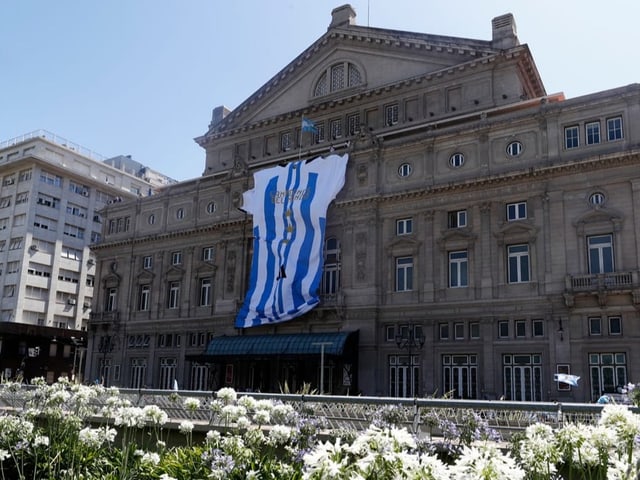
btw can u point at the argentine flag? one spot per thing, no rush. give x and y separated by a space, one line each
289 206
308 125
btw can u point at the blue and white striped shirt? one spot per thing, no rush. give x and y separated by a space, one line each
289 206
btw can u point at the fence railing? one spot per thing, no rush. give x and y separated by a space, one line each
420 415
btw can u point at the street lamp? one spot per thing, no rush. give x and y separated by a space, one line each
322 345
410 337
77 343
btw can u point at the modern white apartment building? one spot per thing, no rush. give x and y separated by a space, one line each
51 194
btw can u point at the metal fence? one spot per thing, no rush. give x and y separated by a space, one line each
420 415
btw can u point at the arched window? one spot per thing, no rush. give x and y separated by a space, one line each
338 77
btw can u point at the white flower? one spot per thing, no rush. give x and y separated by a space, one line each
247 402
185 427
41 440
191 403
150 458
279 434
486 462
262 417
129 417
4 454
155 415
227 395
165 476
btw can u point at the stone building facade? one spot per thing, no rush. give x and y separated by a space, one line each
484 241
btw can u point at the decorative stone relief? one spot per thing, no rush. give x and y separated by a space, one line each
361 256
231 270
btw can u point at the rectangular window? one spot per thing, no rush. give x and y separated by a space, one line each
503 329
606 372
73 231
457 219
336 128
79 189
319 135
521 329
13 267
458 331
19 220
444 331
22 197
390 333
174 295
205 292
615 326
518 263
110 303
25 175
147 262
592 132
404 226
176 258
45 223
286 142
595 326
600 253
458 268
353 124
48 201
8 180
208 254
614 129
404 274
516 211
76 210
5 202
16 243
571 137
474 330
144 297
390 115
538 328
50 179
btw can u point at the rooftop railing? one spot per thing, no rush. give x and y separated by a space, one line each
57 139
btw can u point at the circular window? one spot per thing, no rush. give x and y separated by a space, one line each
514 149
151 219
211 207
456 160
596 198
180 213
405 170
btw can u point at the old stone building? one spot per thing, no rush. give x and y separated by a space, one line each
485 238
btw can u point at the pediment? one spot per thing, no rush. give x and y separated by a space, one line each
206 268
457 236
175 272
145 276
404 244
386 58
520 231
111 280
599 216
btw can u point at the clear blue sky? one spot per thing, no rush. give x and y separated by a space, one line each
141 77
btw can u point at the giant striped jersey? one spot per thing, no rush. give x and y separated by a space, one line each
289 206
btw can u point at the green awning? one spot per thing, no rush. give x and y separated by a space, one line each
278 344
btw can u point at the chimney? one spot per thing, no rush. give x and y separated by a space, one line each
218 114
504 32
343 16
